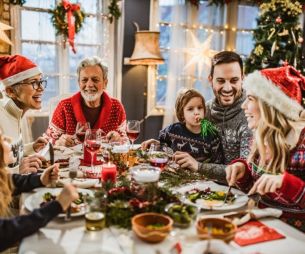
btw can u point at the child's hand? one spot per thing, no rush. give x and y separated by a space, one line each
267 183
146 144
185 160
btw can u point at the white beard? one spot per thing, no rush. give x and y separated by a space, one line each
91 97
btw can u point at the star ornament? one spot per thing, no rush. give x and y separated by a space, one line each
3 36
201 53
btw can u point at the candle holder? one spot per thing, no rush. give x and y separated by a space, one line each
145 178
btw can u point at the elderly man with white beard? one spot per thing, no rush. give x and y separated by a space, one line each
92 104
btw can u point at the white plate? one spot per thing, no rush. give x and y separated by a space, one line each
78 148
240 201
34 200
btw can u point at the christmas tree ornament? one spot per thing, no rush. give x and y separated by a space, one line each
278 20
300 40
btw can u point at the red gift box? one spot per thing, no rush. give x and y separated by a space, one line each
255 232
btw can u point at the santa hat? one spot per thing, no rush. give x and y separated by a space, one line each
281 88
14 69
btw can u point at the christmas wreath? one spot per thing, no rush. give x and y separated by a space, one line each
68 19
18 2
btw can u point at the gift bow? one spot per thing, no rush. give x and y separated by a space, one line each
70 8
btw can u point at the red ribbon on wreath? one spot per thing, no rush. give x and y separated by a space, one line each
70 8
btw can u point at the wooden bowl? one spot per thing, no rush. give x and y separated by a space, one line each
222 229
151 227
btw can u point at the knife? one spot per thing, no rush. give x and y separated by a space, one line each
51 152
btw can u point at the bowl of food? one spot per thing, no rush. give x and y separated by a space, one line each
182 214
216 228
151 227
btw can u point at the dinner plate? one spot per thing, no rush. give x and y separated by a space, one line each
241 198
34 200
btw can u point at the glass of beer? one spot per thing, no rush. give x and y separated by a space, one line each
95 220
95 216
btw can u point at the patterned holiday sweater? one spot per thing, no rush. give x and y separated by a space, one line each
69 111
290 198
203 149
235 135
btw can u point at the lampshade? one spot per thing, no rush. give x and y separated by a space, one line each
146 50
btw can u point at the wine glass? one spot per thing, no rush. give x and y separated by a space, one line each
133 130
93 141
157 156
73 167
80 131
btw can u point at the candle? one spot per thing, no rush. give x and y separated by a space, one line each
87 157
109 172
146 176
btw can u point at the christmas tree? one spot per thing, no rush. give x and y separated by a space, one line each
278 37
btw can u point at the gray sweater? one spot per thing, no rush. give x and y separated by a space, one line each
235 136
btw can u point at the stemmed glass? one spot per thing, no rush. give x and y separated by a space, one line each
133 130
157 156
73 167
93 141
80 131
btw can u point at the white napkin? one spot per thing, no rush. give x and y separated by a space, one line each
254 214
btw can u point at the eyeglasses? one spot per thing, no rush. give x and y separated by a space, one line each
36 84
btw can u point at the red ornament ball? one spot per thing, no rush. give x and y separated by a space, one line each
278 20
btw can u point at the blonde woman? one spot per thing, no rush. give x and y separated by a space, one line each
16 228
276 165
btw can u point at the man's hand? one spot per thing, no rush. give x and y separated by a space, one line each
30 164
39 144
50 174
67 196
185 160
267 183
235 172
113 136
146 144
65 140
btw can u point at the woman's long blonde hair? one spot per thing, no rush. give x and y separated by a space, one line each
5 183
270 134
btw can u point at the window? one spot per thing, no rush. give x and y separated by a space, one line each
38 42
202 22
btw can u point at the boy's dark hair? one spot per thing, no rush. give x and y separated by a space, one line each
225 57
183 98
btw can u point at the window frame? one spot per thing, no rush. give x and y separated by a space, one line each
62 53
230 34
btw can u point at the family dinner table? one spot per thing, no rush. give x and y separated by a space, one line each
61 236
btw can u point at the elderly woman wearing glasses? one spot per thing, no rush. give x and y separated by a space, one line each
23 88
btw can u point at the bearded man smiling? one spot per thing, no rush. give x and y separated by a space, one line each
92 104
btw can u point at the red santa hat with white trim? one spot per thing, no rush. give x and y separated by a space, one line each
282 87
16 68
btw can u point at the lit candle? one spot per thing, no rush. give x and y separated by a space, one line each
109 172
146 176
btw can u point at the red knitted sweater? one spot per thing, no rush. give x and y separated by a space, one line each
69 111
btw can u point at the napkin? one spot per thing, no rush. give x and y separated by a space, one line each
240 218
255 232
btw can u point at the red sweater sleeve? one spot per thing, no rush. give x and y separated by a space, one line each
293 189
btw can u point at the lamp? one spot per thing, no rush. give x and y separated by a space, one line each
146 50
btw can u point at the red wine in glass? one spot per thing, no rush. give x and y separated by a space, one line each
92 145
156 160
133 135
81 136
